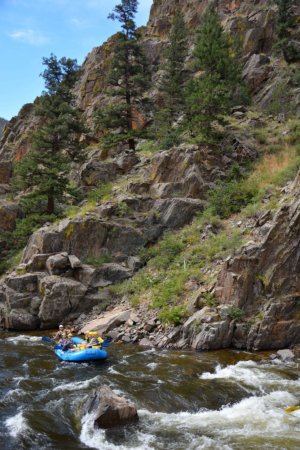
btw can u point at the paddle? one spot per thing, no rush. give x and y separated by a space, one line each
292 409
47 339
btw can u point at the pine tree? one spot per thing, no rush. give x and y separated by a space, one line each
210 93
128 79
174 79
172 85
285 22
45 169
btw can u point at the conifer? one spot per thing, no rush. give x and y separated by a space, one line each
285 22
174 78
210 94
44 171
128 78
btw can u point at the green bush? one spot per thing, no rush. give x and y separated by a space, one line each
173 315
209 299
230 198
235 313
97 261
101 192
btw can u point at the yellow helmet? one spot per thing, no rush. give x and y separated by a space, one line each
70 335
93 333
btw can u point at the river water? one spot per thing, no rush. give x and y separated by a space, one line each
186 401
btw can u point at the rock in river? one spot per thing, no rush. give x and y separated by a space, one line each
110 410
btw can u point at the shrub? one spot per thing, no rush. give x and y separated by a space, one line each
97 261
235 313
173 315
230 198
209 299
101 192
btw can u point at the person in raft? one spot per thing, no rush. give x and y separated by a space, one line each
67 343
93 339
60 335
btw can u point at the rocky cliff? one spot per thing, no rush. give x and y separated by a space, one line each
3 122
67 268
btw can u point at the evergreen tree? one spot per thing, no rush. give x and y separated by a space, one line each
128 79
173 81
172 85
44 170
210 94
285 22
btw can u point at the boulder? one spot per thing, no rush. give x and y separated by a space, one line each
213 336
58 264
110 273
127 160
21 319
75 262
108 321
23 283
60 297
37 262
286 355
109 409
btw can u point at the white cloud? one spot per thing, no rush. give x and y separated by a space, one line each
80 24
29 36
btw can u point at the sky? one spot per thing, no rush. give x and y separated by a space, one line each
33 29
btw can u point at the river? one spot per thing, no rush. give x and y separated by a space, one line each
186 400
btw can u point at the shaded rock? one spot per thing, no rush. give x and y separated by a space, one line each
134 263
257 71
213 336
21 319
61 296
95 172
110 273
9 212
38 262
176 212
5 171
127 160
109 409
23 283
57 264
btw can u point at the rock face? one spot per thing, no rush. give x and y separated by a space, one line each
262 284
109 409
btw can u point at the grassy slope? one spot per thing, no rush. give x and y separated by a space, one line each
181 260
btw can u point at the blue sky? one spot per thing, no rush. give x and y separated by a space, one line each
32 29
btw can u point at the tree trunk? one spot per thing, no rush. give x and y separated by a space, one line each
50 204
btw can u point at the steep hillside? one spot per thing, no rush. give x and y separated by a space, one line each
3 122
189 243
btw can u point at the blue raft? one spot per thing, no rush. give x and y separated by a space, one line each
86 354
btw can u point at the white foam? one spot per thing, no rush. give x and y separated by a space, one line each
251 374
23 338
16 425
14 394
77 385
113 371
152 366
252 416
96 438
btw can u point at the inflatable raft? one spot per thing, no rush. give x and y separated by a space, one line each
80 354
